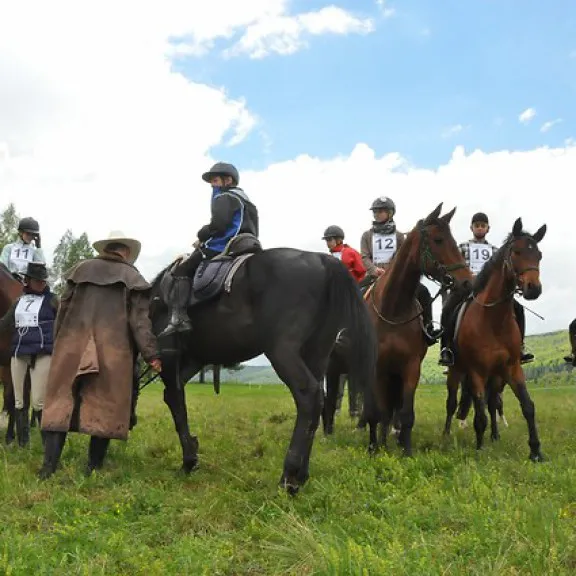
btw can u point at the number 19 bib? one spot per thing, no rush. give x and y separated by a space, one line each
383 248
479 255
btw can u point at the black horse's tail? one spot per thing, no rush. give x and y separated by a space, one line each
346 305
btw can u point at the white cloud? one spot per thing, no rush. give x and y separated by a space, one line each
547 125
452 130
282 34
527 115
386 10
98 132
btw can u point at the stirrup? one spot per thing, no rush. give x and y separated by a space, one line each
446 357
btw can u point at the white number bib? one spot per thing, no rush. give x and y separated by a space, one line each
20 256
383 248
27 311
337 255
479 255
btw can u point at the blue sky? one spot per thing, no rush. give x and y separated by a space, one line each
430 66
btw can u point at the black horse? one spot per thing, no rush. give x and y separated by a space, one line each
287 304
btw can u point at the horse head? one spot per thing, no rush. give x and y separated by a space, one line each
524 259
440 258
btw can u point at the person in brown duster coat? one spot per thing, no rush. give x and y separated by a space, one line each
102 322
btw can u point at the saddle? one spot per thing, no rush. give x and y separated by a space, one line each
212 277
455 320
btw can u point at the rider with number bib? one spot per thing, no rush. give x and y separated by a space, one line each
378 247
17 255
334 237
232 214
477 251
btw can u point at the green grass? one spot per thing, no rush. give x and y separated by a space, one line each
448 510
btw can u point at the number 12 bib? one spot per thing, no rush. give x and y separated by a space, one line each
383 248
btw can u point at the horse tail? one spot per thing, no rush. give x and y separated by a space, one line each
345 303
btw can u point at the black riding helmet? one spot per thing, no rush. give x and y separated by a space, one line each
29 225
222 169
384 203
480 217
333 232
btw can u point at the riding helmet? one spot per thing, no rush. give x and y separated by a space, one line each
480 217
333 232
222 169
29 225
385 203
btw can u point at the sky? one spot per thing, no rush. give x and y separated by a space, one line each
110 112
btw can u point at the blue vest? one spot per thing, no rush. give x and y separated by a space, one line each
36 339
219 241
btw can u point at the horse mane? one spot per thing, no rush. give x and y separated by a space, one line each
481 281
160 275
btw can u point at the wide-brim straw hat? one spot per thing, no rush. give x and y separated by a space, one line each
116 236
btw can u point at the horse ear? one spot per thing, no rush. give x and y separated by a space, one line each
433 215
540 233
517 229
448 216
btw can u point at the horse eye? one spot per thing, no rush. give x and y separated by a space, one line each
438 240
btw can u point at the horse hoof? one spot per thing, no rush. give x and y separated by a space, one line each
189 466
45 472
537 457
372 449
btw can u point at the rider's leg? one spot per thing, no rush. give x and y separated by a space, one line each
425 299
521 321
447 321
179 294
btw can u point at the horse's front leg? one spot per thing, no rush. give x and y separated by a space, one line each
517 382
410 379
175 398
9 404
478 387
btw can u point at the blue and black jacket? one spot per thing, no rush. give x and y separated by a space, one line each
232 214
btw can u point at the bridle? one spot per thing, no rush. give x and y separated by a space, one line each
426 257
516 274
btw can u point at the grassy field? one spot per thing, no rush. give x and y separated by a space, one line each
448 510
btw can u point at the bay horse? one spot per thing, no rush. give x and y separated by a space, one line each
10 290
430 250
488 341
285 303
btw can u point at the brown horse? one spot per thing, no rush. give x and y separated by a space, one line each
430 250
488 342
10 290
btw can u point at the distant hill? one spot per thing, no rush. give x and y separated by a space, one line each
548 349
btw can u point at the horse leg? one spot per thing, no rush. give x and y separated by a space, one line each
308 397
410 379
9 404
492 410
96 453
452 383
465 401
330 398
478 386
175 399
518 384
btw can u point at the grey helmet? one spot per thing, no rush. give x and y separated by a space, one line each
383 202
333 232
222 169
29 225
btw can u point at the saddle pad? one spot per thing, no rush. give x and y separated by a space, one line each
462 308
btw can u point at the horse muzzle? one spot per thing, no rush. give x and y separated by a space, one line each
531 290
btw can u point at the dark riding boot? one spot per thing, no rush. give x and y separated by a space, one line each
37 414
179 298
22 427
525 357
54 444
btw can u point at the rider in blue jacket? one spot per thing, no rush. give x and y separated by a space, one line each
232 214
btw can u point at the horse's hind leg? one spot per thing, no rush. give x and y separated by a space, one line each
309 398
9 404
466 401
452 383
175 399
330 398
492 410
410 380
518 385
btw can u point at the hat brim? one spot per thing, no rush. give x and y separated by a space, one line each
133 245
36 277
207 176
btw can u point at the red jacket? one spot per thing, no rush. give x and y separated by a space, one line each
351 259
